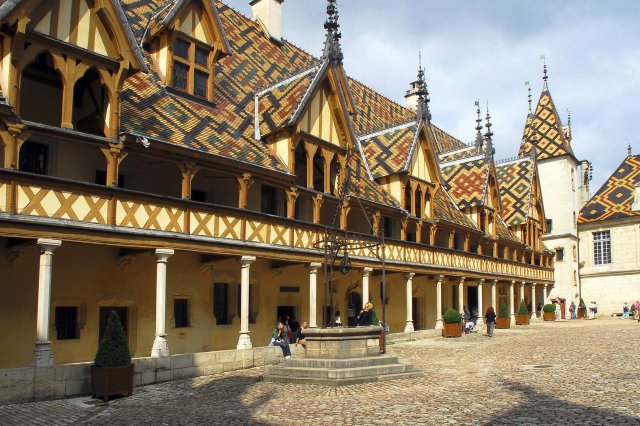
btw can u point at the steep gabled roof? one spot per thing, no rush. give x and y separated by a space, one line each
614 199
544 131
458 154
505 233
466 180
388 149
446 210
445 142
515 179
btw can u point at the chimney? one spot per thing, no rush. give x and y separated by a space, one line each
411 96
268 13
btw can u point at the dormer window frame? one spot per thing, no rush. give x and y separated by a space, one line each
193 66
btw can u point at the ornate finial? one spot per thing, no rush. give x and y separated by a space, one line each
422 92
629 150
526 83
332 50
478 142
489 151
544 71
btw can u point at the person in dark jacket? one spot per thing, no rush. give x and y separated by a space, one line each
364 318
490 320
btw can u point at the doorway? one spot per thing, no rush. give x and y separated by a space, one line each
354 305
283 311
472 299
415 314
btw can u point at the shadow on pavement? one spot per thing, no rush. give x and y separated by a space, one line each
540 408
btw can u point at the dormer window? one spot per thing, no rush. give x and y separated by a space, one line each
191 72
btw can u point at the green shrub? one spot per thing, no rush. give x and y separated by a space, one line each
113 350
523 309
503 312
451 316
549 307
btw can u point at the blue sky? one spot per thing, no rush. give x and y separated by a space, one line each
486 50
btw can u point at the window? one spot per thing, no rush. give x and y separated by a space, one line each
191 68
601 247
549 225
101 178
221 303
269 202
66 319
559 254
181 313
200 196
34 158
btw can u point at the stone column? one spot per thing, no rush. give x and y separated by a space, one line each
512 313
366 272
521 292
244 341
409 324
494 297
534 314
42 354
439 279
546 294
480 306
313 293
461 295
160 346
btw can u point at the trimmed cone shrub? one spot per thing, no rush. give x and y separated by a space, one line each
113 350
522 310
503 312
549 307
451 316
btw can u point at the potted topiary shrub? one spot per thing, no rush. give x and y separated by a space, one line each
522 318
549 312
452 323
503 321
112 370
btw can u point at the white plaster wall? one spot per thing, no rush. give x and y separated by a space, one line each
613 284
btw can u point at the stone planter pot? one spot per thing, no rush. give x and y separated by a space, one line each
549 316
503 323
522 319
452 330
110 381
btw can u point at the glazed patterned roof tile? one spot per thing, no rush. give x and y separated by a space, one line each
458 154
363 187
544 130
278 104
515 180
446 210
387 151
445 142
614 199
466 180
505 233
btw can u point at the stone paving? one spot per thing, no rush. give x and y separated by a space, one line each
568 372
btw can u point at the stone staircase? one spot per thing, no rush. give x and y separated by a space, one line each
340 372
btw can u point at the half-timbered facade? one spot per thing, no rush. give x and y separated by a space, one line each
176 162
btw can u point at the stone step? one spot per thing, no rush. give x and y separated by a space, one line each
339 381
340 373
341 363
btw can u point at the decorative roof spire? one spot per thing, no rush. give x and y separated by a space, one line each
545 77
526 83
332 49
478 142
629 154
489 151
568 133
422 92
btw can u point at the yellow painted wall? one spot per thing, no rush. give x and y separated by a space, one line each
89 275
319 120
419 166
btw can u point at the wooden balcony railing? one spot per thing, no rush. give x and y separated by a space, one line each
53 198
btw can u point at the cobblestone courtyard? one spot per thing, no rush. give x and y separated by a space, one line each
571 372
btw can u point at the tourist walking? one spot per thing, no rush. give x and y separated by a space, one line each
277 339
490 320
572 310
625 311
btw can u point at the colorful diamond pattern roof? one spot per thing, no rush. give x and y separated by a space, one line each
446 210
387 151
544 130
466 181
614 199
458 154
445 142
515 180
505 233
